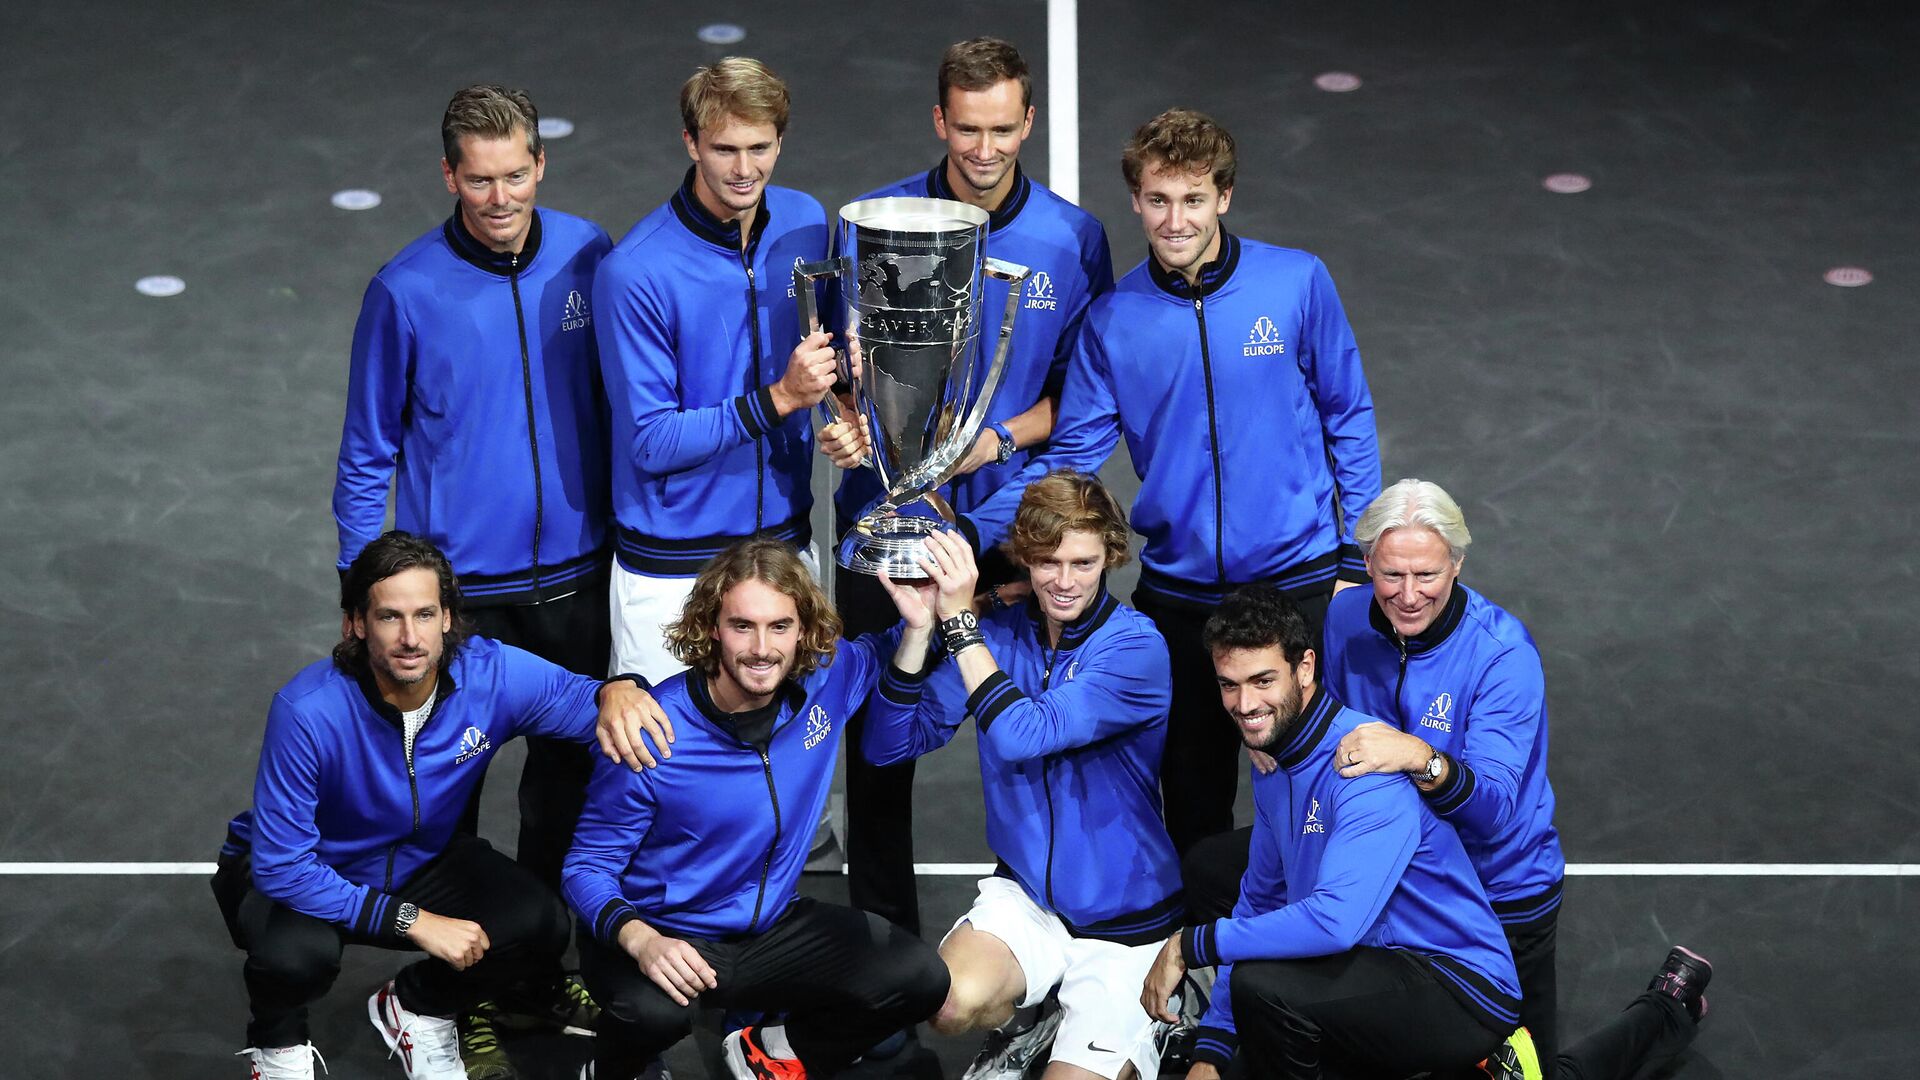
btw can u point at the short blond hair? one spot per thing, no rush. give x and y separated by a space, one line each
739 87
775 564
1060 502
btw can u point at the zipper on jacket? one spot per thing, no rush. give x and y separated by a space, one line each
1400 686
766 868
413 791
533 430
753 386
1213 435
1046 783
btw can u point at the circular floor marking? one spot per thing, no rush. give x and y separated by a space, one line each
1566 183
356 199
1848 277
160 285
1337 82
554 127
722 34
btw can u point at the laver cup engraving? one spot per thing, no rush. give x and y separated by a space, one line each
908 291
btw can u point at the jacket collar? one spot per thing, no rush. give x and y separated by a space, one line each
443 687
501 263
753 727
1075 633
1308 732
1436 632
1010 207
1213 275
722 234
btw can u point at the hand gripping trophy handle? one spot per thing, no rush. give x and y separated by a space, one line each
804 275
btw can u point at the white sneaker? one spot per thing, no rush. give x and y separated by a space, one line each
282 1062
428 1046
1019 1044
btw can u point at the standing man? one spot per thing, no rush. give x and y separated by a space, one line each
1362 943
1069 693
685 880
984 113
711 439
1459 685
475 394
1229 367
369 760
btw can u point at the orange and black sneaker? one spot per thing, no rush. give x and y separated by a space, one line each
747 1058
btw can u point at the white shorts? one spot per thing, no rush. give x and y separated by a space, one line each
641 607
1102 1026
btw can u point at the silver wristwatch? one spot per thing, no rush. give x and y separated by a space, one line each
404 919
1431 772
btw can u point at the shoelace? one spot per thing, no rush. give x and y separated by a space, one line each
480 1037
576 995
308 1047
441 1045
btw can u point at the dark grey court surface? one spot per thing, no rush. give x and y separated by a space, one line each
1688 461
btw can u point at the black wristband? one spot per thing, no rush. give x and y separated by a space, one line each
960 632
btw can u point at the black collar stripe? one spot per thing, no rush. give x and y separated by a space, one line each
1436 632
1079 630
1309 729
469 248
722 234
1213 275
1010 207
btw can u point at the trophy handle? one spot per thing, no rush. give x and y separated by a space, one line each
938 469
804 275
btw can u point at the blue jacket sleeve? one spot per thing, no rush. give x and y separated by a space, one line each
547 699
614 822
286 836
377 382
913 716
1376 827
1124 686
1330 363
1482 794
640 350
1096 280
1084 437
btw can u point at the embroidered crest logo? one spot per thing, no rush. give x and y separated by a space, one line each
1436 715
1314 824
576 315
473 743
1040 292
819 726
1264 339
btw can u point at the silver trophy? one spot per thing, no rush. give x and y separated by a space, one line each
909 290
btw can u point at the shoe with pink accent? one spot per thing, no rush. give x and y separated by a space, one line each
428 1046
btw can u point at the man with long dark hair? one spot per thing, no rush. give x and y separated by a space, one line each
369 759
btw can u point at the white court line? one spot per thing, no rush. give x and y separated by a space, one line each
1063 99
85 869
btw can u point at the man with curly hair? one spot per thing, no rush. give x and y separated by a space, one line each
685 879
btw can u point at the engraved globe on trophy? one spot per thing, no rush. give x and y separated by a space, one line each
909 292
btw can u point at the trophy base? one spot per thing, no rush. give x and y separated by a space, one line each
889 545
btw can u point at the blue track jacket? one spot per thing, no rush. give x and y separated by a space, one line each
341 819
1247 417
1070 745
692 336
1471 685
1339 863
711 843
475 376
1066 248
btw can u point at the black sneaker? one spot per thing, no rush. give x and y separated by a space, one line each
480 1049
564 1006
1684 978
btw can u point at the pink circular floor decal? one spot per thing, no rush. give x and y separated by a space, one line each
1566 183
1848 277
1337 82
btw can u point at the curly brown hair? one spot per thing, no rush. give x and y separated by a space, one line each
396 552
1180 139
1061 501
690 638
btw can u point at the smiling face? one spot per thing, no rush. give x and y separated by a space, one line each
983 130
1413 573
495 183
732 164
1180 211
758 633
405 628
1262 692
1066 579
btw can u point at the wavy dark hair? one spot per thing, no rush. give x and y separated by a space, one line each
1064 500
1180 140
1258 617
395 552
774 562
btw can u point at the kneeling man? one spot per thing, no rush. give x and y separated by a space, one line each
687 876
1069 695
1362 943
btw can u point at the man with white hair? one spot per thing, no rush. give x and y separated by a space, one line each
1460 681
